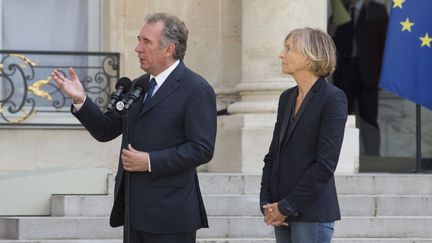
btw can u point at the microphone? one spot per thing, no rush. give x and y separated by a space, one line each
122 86
140 87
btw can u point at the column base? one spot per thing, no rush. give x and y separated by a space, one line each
241 143
350 151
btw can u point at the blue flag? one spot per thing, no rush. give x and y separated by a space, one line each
407 63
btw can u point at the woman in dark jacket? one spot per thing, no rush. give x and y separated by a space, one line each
298 193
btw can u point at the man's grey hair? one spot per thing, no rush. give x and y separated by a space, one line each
174 31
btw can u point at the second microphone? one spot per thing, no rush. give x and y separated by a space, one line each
140 86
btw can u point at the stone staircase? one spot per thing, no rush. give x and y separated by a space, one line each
376 208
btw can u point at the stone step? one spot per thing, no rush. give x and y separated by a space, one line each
216 240
363 184
348 227
42 228
224 240
81 205
45 228
382 240
242 240
384 227
29 192
385 205
247 205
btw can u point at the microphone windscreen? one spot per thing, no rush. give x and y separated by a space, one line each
125 82
142 83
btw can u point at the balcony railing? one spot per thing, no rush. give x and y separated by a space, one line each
28 95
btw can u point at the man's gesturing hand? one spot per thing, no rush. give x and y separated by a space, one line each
71 87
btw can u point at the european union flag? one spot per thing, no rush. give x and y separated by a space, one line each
407 64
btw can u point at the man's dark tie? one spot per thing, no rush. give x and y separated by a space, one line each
350 32
150 91
352 14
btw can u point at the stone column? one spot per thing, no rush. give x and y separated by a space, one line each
244 136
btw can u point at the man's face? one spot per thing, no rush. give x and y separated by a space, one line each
150 53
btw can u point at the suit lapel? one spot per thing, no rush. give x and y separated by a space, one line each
170 84
287 115
303 108
361 18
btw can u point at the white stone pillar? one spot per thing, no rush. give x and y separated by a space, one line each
244 136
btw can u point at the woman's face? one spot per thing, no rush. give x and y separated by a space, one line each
293 61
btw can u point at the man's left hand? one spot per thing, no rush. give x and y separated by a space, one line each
134 160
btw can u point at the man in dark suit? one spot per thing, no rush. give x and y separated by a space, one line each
360 46
172 130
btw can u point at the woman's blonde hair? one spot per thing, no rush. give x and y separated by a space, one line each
318 47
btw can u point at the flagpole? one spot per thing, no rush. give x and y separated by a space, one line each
418 139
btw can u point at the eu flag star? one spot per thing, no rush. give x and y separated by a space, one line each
426 40
406 25
398 3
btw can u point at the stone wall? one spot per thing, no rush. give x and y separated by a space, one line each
214 43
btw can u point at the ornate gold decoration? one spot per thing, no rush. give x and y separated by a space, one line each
23 117
25 59
35 88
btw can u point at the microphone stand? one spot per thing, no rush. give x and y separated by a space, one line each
126 227
124 114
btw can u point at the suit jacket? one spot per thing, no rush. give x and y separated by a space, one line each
304 152
370 34
178 129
